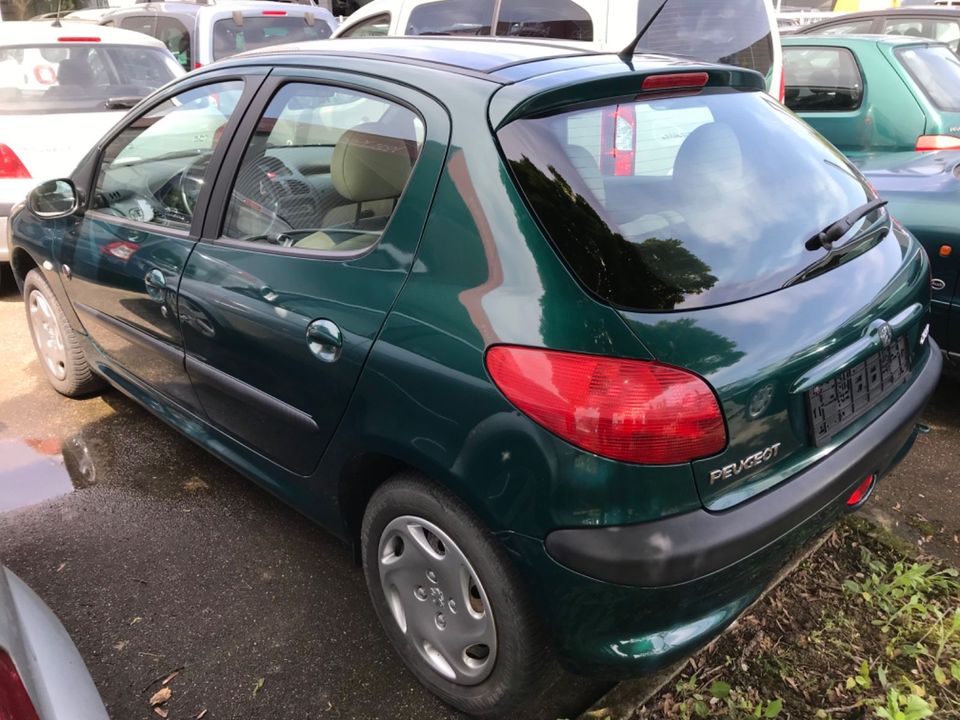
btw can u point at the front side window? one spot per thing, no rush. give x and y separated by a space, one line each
229 38
324 170
561 19
709 198
936 70
378 26
451 17
736 32
153 171
821 79
74 78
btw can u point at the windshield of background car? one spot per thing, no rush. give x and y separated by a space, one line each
687 201
936 69
257 32
65 78
732 31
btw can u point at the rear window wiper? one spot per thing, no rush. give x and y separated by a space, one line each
830 234
121 103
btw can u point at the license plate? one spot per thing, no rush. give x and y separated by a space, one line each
840 401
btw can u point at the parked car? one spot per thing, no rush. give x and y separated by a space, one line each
201 34
740 32
872 94
42 676
886 102
563 416
933 23
61 89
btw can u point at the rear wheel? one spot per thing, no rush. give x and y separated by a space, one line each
56 343
451 602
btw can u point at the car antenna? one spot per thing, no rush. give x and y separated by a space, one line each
627 53
56 20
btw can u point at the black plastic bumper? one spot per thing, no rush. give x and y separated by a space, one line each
690 546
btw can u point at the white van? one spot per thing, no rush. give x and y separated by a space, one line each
740 32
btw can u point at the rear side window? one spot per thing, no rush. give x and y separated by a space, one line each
451 17
937 71
139 23
257 32
681 202
821 79
562 19
850 28
377 26
733 31
176 37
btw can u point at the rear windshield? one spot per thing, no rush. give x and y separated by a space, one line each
936 69
257 32
684 201
65 78
736 32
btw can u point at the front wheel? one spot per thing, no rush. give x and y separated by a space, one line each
56 343
451 601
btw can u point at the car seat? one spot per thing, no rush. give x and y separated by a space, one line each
74 79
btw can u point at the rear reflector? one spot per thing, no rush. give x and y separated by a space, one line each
782 95
675 81
11 167
862 491
631 410
926 143
78 39
275 13
15 703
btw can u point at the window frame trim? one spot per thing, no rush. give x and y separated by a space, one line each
856 64
213 228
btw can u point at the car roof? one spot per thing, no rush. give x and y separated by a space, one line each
29 32
909 10
244 7
858 39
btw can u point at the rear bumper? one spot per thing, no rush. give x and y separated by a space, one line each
628 601
685 547
51 667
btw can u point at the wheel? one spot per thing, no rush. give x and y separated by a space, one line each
56 343
451 602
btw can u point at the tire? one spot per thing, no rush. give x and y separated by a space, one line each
521 665
57 344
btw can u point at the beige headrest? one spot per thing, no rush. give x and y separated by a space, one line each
369 164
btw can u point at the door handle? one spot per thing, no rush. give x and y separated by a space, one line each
325 340
156 283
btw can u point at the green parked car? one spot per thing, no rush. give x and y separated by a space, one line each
875 94
576 350
889 103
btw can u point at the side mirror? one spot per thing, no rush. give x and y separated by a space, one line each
54 199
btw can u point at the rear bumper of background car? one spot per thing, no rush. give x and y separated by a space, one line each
628 600
48 662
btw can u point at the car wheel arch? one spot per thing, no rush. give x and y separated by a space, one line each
22 262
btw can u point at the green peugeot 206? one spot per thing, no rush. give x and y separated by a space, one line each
576 349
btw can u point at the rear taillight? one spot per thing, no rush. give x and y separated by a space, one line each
15 703
783 85
631 410
926 143
11 167
618 140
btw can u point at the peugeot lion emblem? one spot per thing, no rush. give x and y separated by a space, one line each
886 334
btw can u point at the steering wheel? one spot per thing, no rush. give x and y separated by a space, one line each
190 182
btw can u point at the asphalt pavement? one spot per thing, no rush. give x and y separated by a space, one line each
160 559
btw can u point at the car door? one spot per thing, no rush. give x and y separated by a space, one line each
312 230
122 259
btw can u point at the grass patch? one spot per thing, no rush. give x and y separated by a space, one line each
858 631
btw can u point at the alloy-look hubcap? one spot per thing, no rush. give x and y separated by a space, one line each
437 600
46 331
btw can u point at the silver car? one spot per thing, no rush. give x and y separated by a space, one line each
42 676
